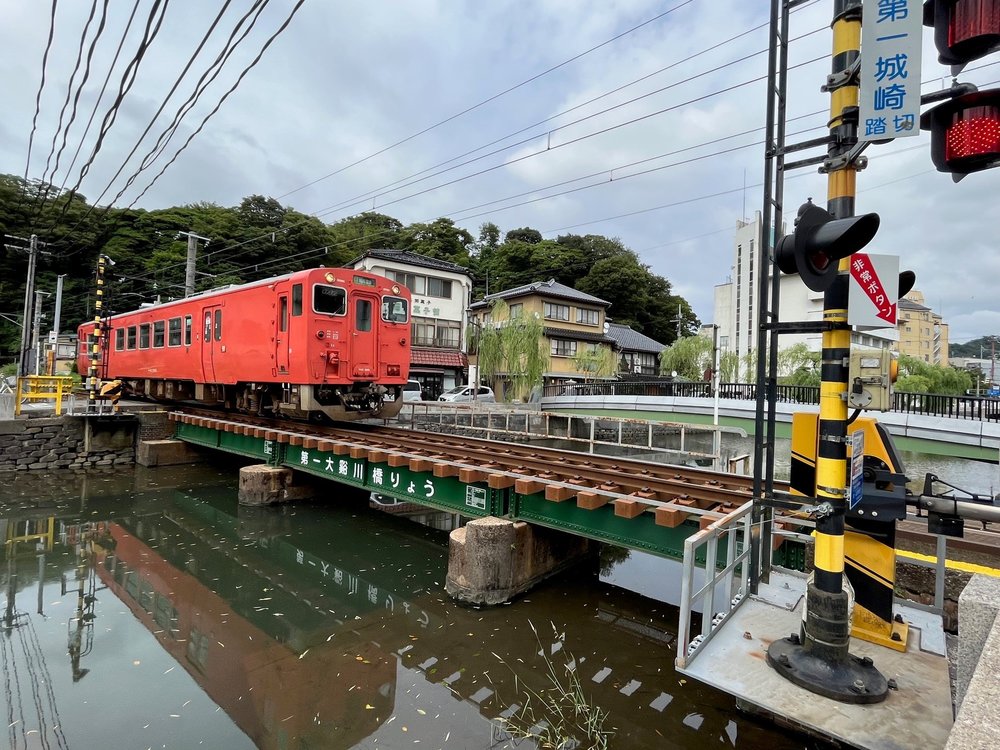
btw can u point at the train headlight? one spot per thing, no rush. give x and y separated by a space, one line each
395 289
329 277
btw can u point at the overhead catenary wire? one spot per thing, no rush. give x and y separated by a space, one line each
60 130
488 99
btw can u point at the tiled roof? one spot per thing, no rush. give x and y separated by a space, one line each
906 304
568 333
438 358
627 339
550 288
413 259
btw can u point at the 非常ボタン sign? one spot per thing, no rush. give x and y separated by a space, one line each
874 290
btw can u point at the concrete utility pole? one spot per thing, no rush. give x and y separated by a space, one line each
192 256
56 320
24 354
36 332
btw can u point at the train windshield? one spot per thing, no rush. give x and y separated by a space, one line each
394 310
329 300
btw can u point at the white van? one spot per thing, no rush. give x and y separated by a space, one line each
411 391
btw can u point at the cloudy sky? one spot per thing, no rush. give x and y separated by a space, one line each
331 121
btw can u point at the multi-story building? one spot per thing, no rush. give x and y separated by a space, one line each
573 323
441 295
737 306
922 332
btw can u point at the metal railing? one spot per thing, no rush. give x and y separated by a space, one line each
729 573
42 388
975 408
497 421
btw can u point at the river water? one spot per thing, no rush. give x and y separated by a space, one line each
146 609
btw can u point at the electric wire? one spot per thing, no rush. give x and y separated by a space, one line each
41 87
488 99
79 90
166 99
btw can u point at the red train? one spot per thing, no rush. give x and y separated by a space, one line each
326 342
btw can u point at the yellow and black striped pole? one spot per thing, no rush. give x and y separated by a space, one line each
95 335
820 660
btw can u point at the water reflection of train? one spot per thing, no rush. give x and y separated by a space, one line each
307 639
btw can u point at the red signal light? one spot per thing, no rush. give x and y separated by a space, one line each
974 133
965 132
964 30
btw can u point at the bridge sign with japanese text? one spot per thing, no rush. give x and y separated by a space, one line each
890 69
874 291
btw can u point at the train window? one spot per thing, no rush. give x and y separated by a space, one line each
362 315
158 330
394 309
119 339
218 325
187 330
144 336
174 332
282 313
131 337
329 300
208 325
296 300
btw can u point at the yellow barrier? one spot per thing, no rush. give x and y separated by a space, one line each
42 388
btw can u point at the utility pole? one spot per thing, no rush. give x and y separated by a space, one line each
56 320
679 320
192 256
29 289
36 332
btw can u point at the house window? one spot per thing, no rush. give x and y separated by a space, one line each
561 348
556 312
440 333
438 288
587 317
416 284
517 310
423 332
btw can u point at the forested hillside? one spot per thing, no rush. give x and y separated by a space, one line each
261 238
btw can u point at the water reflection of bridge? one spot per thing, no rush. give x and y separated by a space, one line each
308 641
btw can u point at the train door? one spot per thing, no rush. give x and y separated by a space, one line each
282 340
211 335
365 345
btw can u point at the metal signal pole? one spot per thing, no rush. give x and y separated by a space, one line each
821 663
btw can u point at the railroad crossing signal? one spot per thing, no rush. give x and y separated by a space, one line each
819 242
965 131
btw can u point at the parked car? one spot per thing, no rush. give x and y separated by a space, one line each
466 393
411 391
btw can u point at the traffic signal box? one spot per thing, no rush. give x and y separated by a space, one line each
870 540
965 130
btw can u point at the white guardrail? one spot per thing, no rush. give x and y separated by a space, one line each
733 578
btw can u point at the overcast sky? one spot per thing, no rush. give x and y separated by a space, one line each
347 80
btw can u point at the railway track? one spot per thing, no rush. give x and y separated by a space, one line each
675 492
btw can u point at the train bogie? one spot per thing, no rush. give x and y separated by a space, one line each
331 343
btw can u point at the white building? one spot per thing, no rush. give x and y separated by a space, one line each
737 303
441 293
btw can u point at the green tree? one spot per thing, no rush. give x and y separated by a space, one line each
689 357
599 362
510 348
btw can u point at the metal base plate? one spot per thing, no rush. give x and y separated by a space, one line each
851 680
917 714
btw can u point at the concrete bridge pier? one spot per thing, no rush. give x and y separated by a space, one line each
492 560
263 484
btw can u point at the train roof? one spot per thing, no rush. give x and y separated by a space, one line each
207 293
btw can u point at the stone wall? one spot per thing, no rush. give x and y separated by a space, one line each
52 443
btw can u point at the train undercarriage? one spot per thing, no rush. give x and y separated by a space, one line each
318 403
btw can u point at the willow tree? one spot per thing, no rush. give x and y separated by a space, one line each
599 362
511 348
